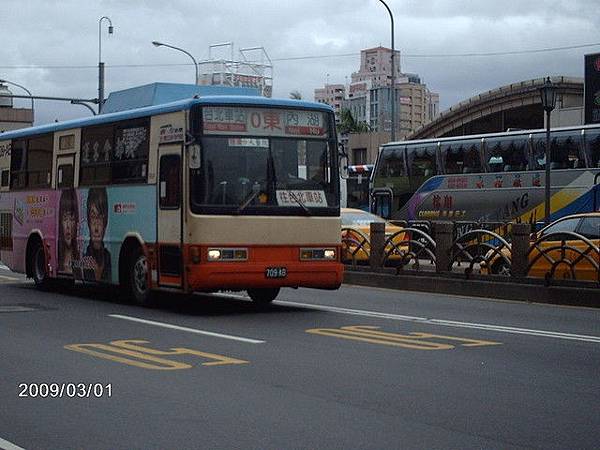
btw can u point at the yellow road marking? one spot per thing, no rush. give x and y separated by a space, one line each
145 357
415 340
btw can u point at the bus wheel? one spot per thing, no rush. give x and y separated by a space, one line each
263 296
138 279
37 263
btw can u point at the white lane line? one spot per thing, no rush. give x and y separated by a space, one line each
2 266
447 323
189 330
5 445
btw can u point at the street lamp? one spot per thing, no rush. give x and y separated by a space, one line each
162 44
548 94
100 63
393 99
26 90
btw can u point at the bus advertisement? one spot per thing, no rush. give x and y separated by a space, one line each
496 177
203 195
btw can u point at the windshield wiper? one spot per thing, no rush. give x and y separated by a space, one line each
302 205
248 200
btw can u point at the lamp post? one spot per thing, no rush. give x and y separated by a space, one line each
393 92
26 90
548 94
100 63
162 44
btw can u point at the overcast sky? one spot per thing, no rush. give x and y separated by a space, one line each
51 47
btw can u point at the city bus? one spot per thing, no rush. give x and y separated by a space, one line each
198 195
497 177
357 186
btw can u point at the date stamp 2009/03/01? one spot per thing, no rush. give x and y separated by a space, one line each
65 390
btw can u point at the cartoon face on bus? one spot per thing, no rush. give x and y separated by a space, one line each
67 230
97 263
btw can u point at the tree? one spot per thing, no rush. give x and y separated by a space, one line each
295 95
349 125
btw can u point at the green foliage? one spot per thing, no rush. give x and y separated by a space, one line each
349 125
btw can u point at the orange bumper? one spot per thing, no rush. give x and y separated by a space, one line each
234 275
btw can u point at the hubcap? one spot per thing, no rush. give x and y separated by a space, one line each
140 275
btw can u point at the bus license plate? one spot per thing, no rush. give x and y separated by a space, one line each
276 272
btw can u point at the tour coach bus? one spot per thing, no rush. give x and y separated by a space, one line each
488 177
201 194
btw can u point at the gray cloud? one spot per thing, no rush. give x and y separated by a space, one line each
65 33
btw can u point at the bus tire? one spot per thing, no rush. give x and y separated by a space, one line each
138 279
37 265
263 296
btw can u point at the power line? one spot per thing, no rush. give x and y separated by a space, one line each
513 52
309 57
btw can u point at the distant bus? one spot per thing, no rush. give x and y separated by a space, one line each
491 177
357 186
203 194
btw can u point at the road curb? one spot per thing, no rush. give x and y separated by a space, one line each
528 290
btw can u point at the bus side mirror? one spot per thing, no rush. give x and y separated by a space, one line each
194 159
344 166
343 160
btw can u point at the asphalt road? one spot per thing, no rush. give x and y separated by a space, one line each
355 368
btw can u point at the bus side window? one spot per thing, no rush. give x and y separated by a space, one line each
392 162
565 150
472 159
422 160
538 144
592 147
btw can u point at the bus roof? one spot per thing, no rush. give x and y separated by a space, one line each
233 100
488 135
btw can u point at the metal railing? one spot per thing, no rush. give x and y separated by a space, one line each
518 254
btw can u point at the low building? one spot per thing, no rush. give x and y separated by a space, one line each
12 118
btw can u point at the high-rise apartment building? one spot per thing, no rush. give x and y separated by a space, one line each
368 98
333 95
371 91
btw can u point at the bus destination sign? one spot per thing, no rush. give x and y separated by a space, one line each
263 122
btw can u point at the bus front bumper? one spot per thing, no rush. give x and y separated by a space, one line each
241 276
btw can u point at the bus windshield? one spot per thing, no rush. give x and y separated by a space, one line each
264 175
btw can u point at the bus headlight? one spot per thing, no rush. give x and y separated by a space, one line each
227 254
317 254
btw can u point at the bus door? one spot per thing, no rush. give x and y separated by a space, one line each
170 254
381 203
65 171
596 193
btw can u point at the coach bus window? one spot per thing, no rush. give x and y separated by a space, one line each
452 155
421 160
130 156
506 154
472 158
391 162
39 161
96 149
592 147
18 164
566 150
461 157
539 151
